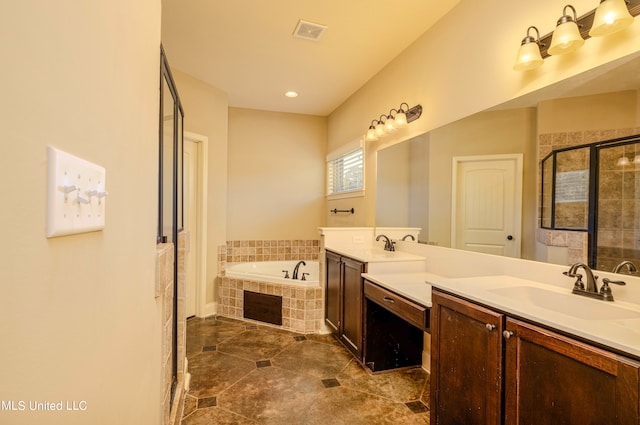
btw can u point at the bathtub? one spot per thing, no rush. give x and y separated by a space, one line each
272 271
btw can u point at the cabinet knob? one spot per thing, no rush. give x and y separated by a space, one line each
490 327
507 334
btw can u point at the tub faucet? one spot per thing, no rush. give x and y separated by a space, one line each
630 267
388 245
295 269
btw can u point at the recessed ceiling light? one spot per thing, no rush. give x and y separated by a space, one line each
291 94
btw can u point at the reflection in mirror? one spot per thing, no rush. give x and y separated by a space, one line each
600 104
618 213
565 189
403 185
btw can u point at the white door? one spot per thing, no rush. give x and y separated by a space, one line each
487 204
191 222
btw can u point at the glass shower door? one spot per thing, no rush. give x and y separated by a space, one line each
618 206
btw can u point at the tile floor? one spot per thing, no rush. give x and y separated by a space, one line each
245 373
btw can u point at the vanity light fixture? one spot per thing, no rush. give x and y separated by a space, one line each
380 126
597 22
390 122
529 56
566 37
622 161
401 116
395 119
371 133
611 16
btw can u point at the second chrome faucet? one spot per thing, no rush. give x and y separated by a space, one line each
388 243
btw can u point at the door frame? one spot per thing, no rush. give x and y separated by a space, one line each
458 160
202 143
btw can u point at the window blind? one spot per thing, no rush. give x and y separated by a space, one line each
346 172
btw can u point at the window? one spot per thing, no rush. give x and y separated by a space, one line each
345 172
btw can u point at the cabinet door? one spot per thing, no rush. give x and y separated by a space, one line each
466 362
352 288
332 292
553 379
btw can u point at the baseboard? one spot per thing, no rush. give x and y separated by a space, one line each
211 309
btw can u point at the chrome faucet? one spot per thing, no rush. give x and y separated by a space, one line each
592 289
632 269
409 236
388 245
295 269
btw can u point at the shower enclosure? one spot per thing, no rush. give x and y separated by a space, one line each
595 188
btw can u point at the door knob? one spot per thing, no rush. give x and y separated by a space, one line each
510 237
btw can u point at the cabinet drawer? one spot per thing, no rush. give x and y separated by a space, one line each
411 312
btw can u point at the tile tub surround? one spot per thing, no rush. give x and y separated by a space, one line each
248 374
302 307
268 250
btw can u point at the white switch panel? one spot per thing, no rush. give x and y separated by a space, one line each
76 194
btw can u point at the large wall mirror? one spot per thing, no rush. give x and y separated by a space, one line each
414 177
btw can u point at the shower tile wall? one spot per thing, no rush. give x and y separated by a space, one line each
619 208
575 241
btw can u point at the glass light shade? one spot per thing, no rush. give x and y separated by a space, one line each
622 161
371 134
380 129
636 159
401 119
566 39
389 124
528 57
611 16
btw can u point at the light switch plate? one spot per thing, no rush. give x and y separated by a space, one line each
76 194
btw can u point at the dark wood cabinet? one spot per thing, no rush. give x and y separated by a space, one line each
554 379
332 304
481 357
343 300
466 362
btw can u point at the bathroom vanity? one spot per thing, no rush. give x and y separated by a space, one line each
523 365
381 321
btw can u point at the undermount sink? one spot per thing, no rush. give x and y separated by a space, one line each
572 305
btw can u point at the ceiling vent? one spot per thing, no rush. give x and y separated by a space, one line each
309 30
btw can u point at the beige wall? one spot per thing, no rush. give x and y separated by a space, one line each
453 76
598 112
276 175
78 317
206 114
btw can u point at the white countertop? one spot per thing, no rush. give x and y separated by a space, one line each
613 324
412 286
